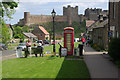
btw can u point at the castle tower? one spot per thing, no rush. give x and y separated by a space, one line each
71 13
92 14
26 18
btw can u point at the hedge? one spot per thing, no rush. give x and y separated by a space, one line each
114 49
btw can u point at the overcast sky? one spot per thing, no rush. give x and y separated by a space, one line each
45 7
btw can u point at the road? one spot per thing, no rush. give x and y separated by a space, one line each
7 52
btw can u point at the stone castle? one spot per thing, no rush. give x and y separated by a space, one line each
93 14
70 14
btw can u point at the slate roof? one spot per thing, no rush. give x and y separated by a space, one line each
102 24
30 35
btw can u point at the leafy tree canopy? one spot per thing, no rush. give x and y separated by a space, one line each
8 8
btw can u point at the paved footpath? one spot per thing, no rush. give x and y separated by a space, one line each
99 65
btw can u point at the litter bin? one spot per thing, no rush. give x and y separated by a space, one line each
19 52
80 46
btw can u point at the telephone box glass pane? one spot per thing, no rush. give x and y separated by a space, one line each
68 41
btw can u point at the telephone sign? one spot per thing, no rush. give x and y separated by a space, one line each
69 40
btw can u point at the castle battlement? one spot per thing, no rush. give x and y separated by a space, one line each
70 14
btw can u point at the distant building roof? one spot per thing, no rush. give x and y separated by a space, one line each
89 23
43 29
102 24
30 35
90 28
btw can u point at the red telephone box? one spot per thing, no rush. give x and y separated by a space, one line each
69 39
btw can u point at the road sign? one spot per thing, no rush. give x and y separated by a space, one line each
110 34
63 51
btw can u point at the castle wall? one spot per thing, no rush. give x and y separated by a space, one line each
92 14
32 19
21 22
71 13
39 18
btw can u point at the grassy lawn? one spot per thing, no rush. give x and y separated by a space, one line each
50 47
44 67
13 45
46 48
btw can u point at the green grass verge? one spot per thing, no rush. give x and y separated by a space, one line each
44 67
9 47
50 47
13 45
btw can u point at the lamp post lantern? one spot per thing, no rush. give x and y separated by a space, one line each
53 15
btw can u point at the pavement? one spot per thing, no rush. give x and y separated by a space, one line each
100 66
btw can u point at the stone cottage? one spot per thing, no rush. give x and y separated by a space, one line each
41 33
100 34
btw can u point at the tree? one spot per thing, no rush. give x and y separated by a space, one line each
25 29
7 9
6 34
17 32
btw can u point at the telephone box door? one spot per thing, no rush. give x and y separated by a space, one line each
68 44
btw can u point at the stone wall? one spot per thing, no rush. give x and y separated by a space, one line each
114 18
100 36
119 20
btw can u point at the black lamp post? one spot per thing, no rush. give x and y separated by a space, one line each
53 15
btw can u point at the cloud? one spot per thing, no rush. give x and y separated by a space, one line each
46 1
83 5
64 1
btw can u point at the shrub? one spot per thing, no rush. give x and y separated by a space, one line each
114 49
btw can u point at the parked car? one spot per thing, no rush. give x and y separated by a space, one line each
22 45
3 46
46 42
